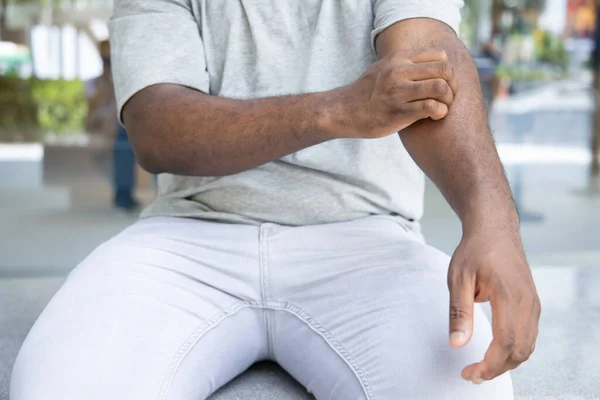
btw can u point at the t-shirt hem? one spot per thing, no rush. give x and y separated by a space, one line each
155 210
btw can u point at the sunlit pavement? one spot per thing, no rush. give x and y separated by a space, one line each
546 162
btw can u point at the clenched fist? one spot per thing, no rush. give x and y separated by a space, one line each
395 92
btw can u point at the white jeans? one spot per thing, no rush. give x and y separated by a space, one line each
175 308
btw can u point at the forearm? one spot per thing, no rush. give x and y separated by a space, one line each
457 152
182 131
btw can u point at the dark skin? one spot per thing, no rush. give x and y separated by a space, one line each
182 131
185 132
459 155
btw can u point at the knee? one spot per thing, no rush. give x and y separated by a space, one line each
24 382
39 371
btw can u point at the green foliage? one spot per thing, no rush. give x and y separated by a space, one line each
550 49
520 73
18 112
30 108
61 105
587 64
536 4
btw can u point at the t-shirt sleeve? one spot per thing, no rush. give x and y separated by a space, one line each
153 42
388 12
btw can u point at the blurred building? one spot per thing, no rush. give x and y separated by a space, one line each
62 35
486 20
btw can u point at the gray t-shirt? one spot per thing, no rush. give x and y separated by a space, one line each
248 49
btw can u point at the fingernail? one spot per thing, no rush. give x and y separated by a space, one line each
457 337
478 381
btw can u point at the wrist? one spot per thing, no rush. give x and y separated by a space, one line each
332 116
502 219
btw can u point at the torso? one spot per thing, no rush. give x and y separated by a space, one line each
262 48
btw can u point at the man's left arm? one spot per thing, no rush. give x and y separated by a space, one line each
458 153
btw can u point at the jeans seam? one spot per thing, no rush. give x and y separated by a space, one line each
294 310
328 337
191 341
264 284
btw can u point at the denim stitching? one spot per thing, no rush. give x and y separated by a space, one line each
264 265
287 307
328 337
191 341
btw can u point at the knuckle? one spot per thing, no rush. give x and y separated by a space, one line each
520 356
537 306
457 312
457 277
445 69
453 278
429 106
493 374
443 55
488 374
440 86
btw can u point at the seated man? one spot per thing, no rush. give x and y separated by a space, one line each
287 222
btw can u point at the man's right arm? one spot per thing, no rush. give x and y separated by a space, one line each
183 131
186 132
162 86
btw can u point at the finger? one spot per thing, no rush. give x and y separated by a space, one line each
527 332
418 56
462 299
432 70
437 89
423 109
426 55
515 327
469 371
495 362
504 328
534 329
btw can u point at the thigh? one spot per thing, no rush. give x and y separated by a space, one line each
377 298
156 313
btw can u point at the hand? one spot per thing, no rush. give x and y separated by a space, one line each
396 92
491 266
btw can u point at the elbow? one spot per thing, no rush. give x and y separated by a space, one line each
159 162
159 156
158 153
149 162
147 153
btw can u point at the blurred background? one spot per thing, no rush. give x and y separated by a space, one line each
68 179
